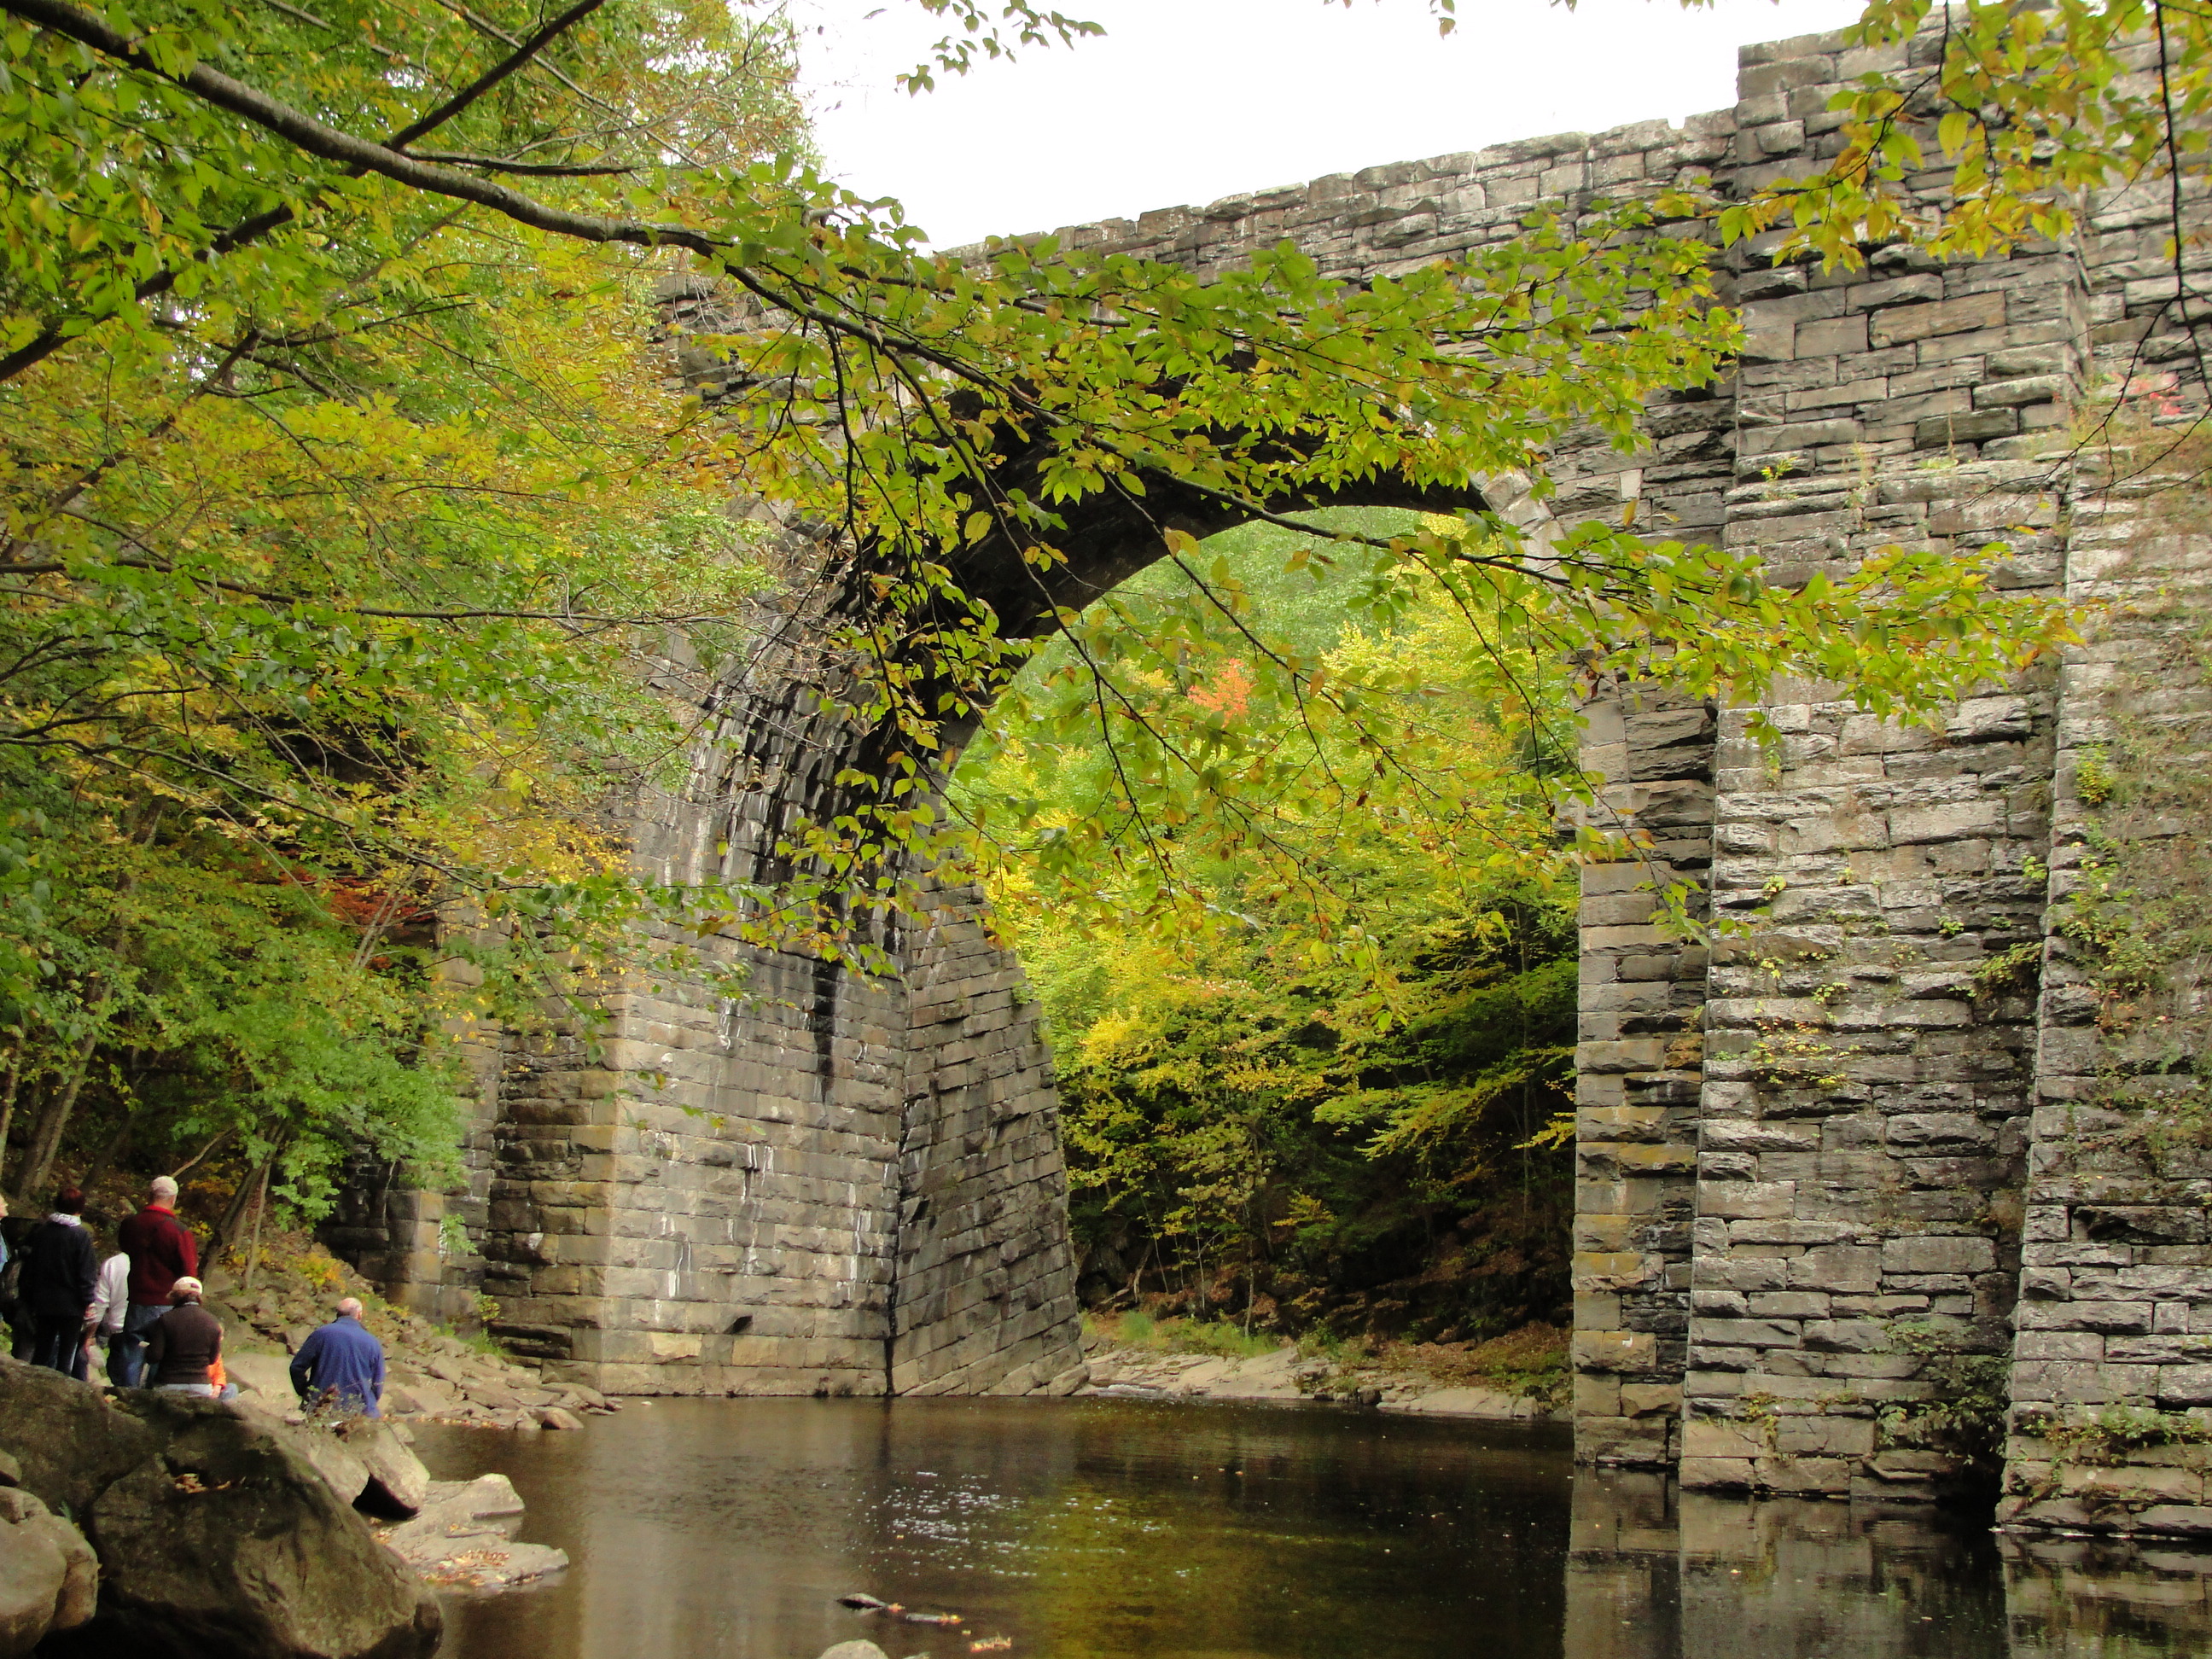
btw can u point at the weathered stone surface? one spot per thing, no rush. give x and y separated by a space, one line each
342 1468
215 1535
225 1543
66 1442
49 1578
397 1482
463 1538
268 1375
1486 1403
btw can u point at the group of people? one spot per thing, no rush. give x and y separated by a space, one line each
143 1303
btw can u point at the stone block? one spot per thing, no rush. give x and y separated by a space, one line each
1904 323
1846 1336
1747 1200
1789 1304
1838 1268
1968 426
2180 1386
1629 1351
1707 1436
1649 1398
1961 1253
1824 1437
1716 1474
1747 1332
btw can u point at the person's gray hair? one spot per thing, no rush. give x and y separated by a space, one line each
162 1186
349 1307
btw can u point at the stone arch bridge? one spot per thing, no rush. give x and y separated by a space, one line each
874 1199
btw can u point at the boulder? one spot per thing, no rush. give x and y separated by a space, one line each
463 1538
269 1374
329 1456
855 1650
554 1416
49 1578
398 1483
215 1533
69 1443
229 1542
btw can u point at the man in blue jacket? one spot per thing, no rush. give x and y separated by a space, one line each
341 1366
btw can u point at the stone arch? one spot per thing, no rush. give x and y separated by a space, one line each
866 1191
848 1185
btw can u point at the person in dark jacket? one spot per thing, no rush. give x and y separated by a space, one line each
60 1272
161 1251
184 1342
340 1367
17 1331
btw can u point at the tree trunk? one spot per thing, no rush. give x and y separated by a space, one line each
8 1109
234 1211
260 1215
46 1138
117 1143
53 1118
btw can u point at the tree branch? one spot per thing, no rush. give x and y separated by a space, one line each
534 169
48 340
365 155
491 77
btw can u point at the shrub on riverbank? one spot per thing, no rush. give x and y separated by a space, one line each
1218 1337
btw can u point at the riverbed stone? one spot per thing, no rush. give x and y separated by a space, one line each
463 1538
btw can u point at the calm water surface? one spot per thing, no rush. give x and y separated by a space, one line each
1120 1529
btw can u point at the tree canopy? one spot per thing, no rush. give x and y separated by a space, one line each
356 554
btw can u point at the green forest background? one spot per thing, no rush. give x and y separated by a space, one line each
1316 1078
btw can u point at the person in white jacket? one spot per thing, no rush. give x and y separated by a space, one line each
111 1301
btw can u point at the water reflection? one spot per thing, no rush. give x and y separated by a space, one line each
1113 1530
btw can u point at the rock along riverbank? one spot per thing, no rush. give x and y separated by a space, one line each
150 1524
1287 1376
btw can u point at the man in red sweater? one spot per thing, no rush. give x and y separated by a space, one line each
162 1252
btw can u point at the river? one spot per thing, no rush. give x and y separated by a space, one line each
1123 1529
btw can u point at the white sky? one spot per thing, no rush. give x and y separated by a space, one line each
1188 101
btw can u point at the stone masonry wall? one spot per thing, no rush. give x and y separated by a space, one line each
1643 988
833 1184
985 1274
1863 1115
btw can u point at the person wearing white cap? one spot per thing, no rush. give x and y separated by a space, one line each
161 1251
184 1342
